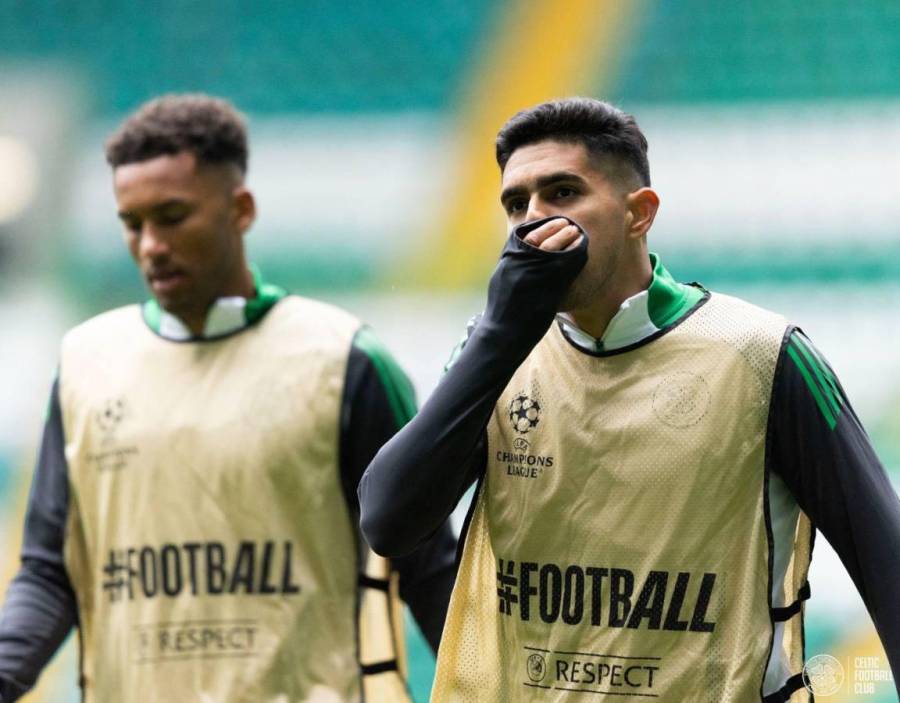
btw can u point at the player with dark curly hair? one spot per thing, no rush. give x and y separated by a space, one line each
193 511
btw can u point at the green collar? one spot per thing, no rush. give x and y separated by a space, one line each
225 316
667 299
660 306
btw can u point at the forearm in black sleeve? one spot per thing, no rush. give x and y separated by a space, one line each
368 420
427 576
418 477
824 456
40 607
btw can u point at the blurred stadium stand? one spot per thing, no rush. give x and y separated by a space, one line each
693 51
405 55
304 57
774 129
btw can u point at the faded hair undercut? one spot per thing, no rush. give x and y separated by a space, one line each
606 132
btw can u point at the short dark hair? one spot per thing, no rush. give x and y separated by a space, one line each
603 129
210 128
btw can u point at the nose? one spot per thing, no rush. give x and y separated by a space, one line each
153 245
536 210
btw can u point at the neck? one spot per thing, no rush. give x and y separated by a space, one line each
629 280
241 285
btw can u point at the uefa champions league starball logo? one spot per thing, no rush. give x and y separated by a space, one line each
524 413
110 414
823 675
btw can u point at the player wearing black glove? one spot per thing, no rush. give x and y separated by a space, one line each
399 501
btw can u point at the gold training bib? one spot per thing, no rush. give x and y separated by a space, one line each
619 545
209 542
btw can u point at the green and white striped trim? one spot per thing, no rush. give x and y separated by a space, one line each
663 303
227 315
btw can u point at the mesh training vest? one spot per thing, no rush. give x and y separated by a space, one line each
209 542
619 543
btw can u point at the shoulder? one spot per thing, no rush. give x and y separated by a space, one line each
98 346
298 314
739 324
372 366
95 330
295 307
806 376
742 313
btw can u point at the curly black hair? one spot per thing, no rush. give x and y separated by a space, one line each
210 128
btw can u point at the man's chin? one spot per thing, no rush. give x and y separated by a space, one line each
176 305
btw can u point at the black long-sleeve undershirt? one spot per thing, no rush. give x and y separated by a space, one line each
820 449
40 607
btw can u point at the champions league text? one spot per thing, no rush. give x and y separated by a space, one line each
603 596
200 568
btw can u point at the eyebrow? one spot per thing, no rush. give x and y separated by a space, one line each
542 182
155 208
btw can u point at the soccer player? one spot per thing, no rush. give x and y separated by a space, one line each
193 510
652 458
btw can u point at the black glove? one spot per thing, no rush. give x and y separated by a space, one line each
529 284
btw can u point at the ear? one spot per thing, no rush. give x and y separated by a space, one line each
642 205
244 205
